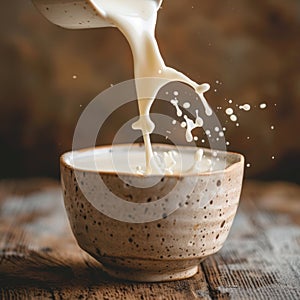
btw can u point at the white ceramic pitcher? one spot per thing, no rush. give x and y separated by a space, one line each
76 14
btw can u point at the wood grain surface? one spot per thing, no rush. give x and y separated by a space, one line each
40 259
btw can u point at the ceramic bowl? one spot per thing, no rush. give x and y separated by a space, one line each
171 226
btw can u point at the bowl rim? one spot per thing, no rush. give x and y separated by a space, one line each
238 157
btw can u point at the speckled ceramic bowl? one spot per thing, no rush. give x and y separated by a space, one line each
172 245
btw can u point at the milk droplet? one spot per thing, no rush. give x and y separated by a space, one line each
233 118
207 132
263 105
237 124
201 89
229 111
139 170
221 133
248 137
190 124
273 157
203 141
174 122
272 127
74 77
245 107
174 102
176 93
227 143
248 165
217 129
196 138
199 121
199 154
186 105
183 124
224 128
230 101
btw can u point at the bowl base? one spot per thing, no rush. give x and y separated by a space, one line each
148 276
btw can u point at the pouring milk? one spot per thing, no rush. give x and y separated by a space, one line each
136 19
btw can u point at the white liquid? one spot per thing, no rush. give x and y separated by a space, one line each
233 118
124 159
245 107
262 105
229 111
136 19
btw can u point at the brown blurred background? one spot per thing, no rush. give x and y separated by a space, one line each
252 47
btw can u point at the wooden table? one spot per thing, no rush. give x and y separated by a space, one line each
39 257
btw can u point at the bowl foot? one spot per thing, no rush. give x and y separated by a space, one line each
148 276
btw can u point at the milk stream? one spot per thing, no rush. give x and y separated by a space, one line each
136 19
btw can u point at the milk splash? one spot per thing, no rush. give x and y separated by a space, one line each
136 19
